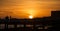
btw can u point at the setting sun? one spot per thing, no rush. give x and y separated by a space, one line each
28 8
30 17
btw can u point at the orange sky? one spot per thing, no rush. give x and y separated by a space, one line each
25 8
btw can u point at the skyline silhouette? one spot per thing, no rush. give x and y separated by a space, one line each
37 24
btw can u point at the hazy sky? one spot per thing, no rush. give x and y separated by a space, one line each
25 8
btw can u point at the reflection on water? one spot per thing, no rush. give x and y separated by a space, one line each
20 25
10 26
2 26
40 28
29 25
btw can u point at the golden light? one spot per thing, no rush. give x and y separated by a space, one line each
30 17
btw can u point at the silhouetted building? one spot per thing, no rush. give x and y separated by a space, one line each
55 13
55 16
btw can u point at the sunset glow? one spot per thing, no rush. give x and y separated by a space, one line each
30 17
25 8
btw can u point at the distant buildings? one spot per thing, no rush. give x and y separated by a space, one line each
55 15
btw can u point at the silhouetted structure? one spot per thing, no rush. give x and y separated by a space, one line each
55 19
52 20
55 13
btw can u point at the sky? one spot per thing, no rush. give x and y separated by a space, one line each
26 8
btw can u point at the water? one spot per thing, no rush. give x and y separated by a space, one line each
2 26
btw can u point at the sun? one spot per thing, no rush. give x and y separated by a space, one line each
30 17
